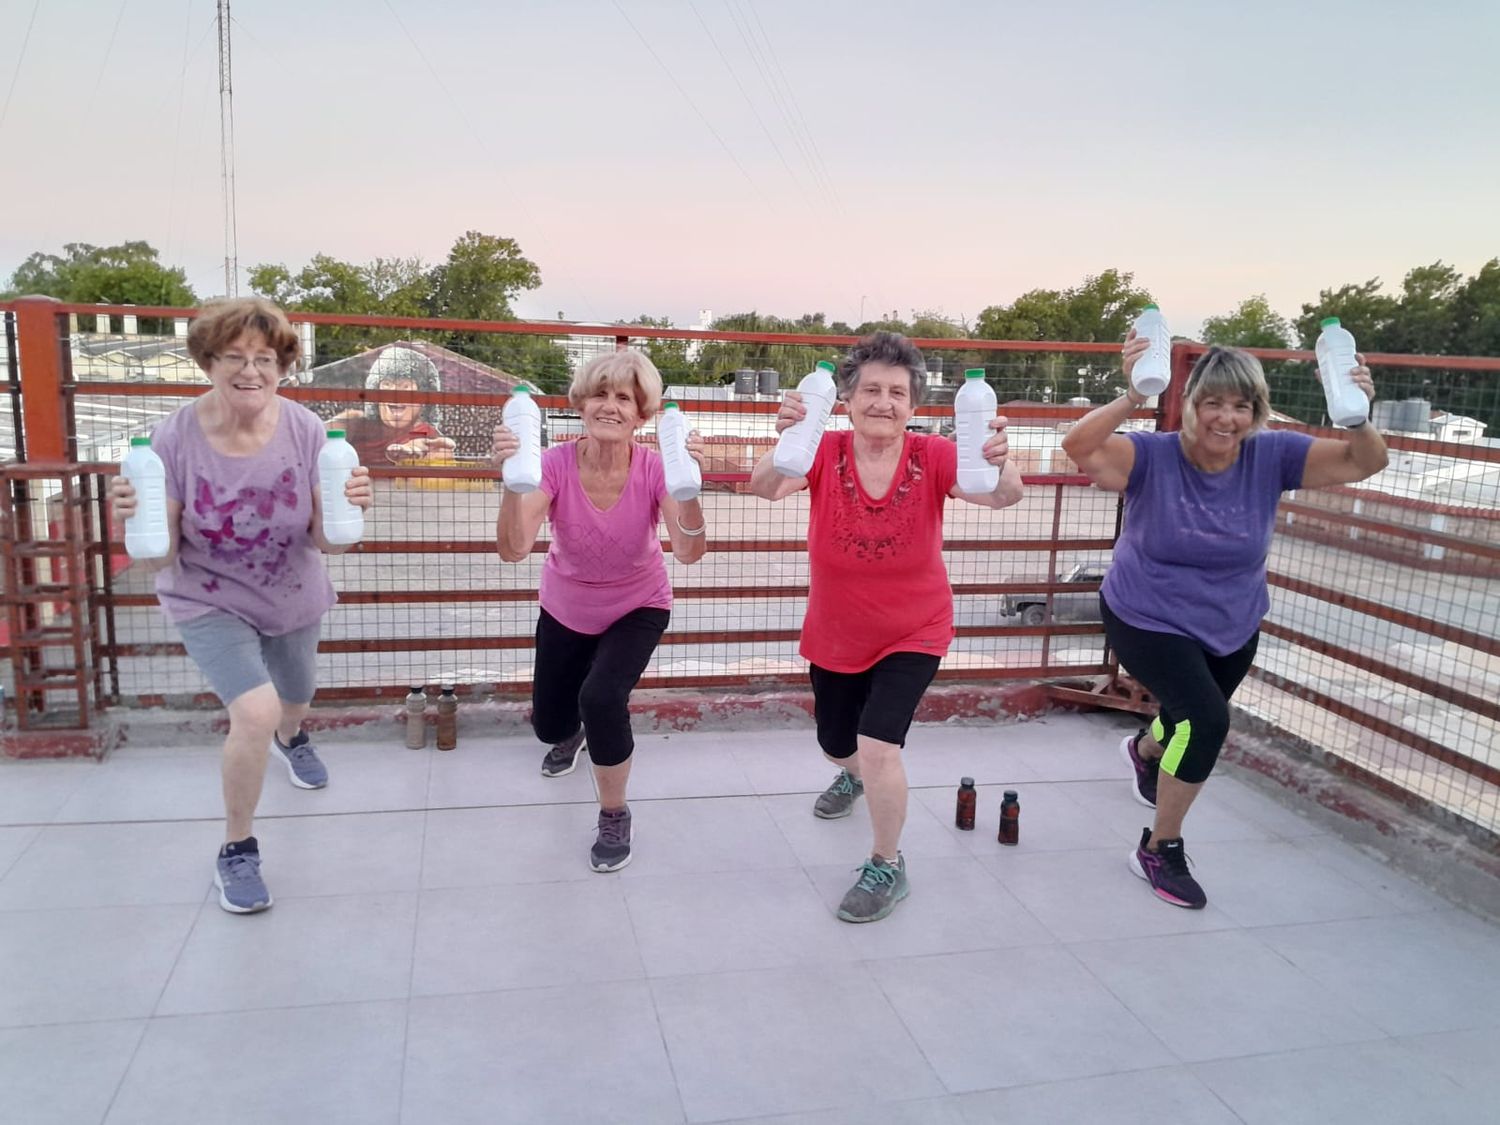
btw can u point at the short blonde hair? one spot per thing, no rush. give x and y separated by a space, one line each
1226 371
224 321
625 368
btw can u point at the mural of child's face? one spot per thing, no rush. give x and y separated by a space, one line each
399 415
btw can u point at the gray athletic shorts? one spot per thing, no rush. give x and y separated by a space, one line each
234 658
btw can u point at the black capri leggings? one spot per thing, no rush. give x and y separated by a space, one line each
1192 685
878 703
589 677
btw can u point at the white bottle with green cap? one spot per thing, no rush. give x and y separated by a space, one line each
798 444
343 523
1153 371
973 409
684 478
522 470
1347 404
146 534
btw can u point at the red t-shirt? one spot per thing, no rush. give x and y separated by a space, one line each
878 584
370 437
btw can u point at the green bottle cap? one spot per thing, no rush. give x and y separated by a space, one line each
827 366
335 435
520 390
1329 322
135 441
671 406
1150 307
974 373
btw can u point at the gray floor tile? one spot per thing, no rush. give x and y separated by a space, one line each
64 1074
1064 758
1347 1085
157 788
66 966
924 1111
1221 995
818 842
1467 1057
356 854
728 834
782 761
337 1064
361 778
1013 1016
524 936
1208 822
1143 1097
13 842
1373 872
281 958
114 865
713 923
939 756
1050 819
1410 974
1262 808
1279 883
502 771
955 905
786 1041
583 1053
674 765
497 847
33 792
1091 895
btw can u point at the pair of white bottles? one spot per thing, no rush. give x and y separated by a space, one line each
1335 349
797 446
146 532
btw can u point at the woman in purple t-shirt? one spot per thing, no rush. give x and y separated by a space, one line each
1184 597
604 591
244 580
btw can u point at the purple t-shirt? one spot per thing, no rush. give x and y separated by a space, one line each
244 545
1191 559
603 564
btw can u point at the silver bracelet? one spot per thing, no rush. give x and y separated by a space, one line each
691 531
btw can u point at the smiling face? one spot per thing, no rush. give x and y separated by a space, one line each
880 401
611 413
1224 420
246 373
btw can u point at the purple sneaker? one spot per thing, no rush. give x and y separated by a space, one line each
1144 788
1166 869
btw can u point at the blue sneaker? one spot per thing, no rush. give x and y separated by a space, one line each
303 765
237 875
879 888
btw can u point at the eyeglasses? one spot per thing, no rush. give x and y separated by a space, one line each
265 364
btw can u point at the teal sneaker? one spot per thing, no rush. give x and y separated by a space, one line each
838 799
880 887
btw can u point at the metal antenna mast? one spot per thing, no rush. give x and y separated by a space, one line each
226 157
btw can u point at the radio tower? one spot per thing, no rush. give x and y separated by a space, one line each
226 157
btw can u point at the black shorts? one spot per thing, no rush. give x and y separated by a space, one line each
878 703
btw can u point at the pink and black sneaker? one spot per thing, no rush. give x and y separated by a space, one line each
1166 869
1145 769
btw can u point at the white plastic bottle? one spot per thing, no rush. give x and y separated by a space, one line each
146 534
973 410
1347 404
684 478
1153 371
522 471
343 523
798 445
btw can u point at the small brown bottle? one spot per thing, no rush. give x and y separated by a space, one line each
1010 819
447 719
968 800
416 718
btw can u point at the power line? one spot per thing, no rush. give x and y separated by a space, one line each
25 42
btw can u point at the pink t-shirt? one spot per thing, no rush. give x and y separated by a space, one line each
603 564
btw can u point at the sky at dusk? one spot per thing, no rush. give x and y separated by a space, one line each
788 156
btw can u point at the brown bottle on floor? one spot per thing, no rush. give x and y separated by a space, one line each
968 801
1010 819
447 719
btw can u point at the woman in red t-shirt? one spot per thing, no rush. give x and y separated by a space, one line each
879 607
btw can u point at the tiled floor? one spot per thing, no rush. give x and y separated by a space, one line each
439 951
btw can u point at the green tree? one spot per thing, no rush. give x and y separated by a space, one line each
670 356
1252 324
481 275
1361 308
718 361
128 274
1476 313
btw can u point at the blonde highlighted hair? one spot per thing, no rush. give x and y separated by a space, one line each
1232 373
626 368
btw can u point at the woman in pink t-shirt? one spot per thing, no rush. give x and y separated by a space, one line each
604 591
879 607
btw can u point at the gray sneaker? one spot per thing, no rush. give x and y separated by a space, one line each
241 889
611 850
838 799
303 765
563 757
879 888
